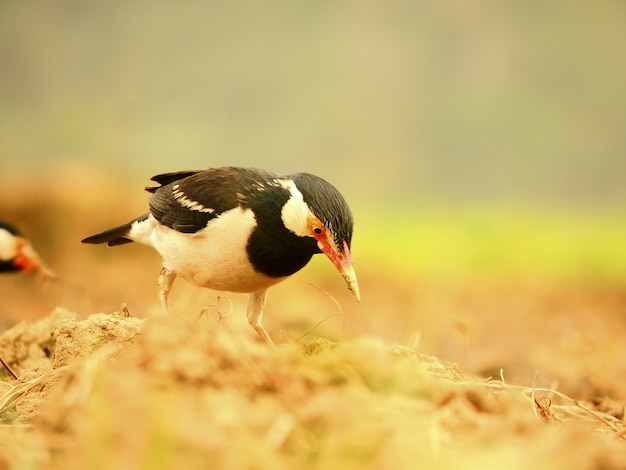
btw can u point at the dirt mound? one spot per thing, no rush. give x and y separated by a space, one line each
115 391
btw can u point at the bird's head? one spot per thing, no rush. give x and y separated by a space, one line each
317 209
17 254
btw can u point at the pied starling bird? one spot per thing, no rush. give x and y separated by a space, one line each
240 230
17 254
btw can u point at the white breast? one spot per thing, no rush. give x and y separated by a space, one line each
214 257
8 247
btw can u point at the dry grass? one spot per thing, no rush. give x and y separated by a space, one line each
117 391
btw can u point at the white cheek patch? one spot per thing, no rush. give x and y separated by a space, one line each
8 247
295 212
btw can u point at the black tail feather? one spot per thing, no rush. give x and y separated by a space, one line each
114 236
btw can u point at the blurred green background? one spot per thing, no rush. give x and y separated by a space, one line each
399 101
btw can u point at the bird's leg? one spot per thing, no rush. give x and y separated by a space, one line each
165 281
255 314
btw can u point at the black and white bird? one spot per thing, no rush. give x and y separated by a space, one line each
240 230
17 254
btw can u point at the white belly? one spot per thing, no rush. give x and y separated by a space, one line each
214 258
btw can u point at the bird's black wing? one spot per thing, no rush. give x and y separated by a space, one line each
188 200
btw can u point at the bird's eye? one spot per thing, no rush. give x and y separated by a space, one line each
316 228
318 232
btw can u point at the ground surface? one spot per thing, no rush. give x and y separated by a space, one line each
434 369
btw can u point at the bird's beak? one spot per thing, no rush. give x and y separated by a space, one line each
27 259
343 263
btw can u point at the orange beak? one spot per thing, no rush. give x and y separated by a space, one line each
27 259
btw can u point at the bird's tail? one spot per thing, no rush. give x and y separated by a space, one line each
116 235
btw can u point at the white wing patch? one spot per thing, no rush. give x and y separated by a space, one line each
184 201
258 186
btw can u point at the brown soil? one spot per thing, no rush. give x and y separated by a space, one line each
428 371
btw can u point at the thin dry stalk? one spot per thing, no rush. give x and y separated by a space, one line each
8 369
311 330
338 312
215 307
